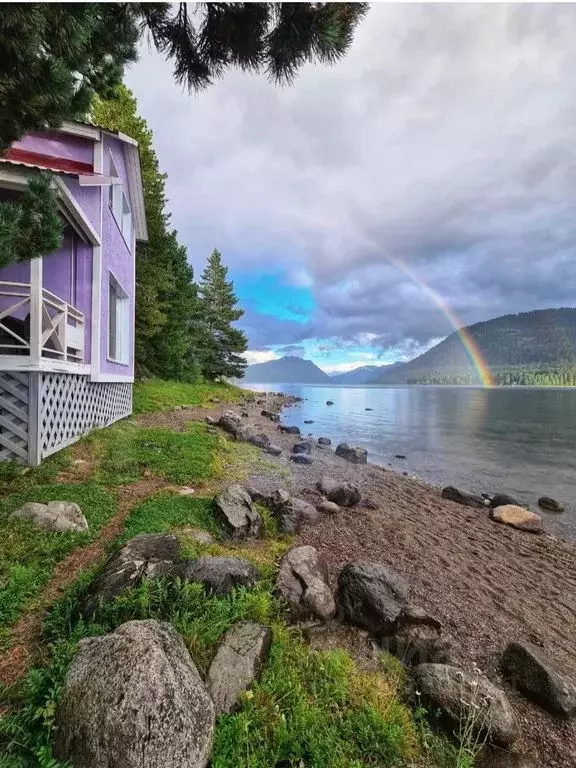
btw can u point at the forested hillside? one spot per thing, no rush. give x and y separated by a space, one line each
531 348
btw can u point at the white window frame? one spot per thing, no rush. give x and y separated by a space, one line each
121 354
120 206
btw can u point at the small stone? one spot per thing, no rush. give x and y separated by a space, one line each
211 421
292 514
467 499
260 440
218 575
308 421
344 494
368 409
329 402
467 697
290 430
237 664
353 455
517 517
186 491
302 447
501 500
304 583
328 507
273 450
234 511
324 441
551 505
541 678
400 456
301 458
59 516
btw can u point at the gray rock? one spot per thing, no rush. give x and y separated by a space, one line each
57 516
278 499
467 499
293 514
212 421
353 455
260 440
134 698
541 678
234 510
258 496
463 696
417 644
328 507
550 504
230 422
517 517
344 494
500 499
301 458
273 450
324 441
237 664
143 556
218 575
305 446
304 583
290 430
308 421
329 402
372 596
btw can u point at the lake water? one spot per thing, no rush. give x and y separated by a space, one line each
518 441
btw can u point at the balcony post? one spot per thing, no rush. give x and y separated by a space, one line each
36 310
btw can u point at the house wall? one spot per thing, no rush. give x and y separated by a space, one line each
88 198
118 258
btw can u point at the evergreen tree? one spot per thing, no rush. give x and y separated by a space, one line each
55 56
165 293
30 224
220 344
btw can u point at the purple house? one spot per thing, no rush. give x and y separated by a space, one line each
67 318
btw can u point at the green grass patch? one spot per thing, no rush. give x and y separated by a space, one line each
124 452
165 512
28 554
14 477
158 395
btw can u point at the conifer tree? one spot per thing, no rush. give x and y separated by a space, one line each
221 345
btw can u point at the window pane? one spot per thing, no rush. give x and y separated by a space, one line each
112 320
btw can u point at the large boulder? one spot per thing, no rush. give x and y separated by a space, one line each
304 583
292 514
467 499
467 698
234 510
372 596
54 516
290 430
143 556
326 507
344 494
218 575
551 505
273 450
304 446
541 678
324 441
260 440
134 698
517 517
230 422
237 664
301 458
353 455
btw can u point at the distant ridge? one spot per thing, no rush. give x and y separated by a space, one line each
531 348
364 374
286 370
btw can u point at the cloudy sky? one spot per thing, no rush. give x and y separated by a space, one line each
439 153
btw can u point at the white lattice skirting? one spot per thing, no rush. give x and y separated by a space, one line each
41 413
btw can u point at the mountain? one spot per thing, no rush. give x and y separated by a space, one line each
286 370
530 348
364 374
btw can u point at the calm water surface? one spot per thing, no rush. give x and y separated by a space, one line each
511 440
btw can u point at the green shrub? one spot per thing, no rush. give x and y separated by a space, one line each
157 395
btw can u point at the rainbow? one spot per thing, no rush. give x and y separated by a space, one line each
469 344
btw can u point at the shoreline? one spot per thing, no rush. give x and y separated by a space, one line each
487 584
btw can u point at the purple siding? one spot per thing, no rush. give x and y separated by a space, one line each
88 198
116 259
57 269
58 145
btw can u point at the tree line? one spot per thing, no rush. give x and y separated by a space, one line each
541 376
184 329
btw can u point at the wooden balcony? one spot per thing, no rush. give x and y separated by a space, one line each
38 329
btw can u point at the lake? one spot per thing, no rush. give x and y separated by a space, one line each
519 441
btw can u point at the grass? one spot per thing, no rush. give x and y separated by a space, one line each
28 554
157 395
14 477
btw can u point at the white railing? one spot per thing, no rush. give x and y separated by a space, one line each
62 325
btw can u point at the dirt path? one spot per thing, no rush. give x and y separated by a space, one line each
26 632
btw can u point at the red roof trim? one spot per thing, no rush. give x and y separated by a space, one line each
47 161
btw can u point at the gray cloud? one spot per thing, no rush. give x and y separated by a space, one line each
445 139
295 350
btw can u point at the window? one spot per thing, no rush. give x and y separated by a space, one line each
118 322
120 206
